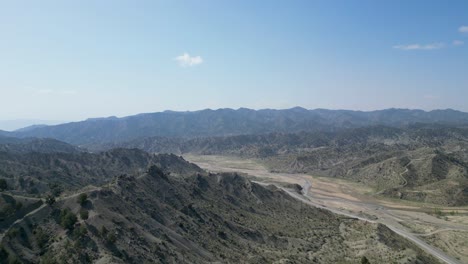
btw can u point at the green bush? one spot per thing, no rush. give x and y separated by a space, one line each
364 260
41 237
438 212
55 189
50 199
80 232
18 206
13 232
7 210
84 214
67 219
108 237
82 199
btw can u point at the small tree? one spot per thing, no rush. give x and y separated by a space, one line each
50 199
82 199
67 219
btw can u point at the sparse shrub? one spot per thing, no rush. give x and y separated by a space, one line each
13 232
48 258
107 236
103 231
82 199
222 235
3 185
3 253
155 171
13 260
41 237
55 189
7 210
77 244
84 214
364 260
50 199
111 238
18 206
80 232
67 219
438 212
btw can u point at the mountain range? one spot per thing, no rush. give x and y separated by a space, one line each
115 190
229 122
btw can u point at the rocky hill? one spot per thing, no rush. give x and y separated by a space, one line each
157 217
41 145
38 173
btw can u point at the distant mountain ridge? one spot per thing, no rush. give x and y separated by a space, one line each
40 145
229 122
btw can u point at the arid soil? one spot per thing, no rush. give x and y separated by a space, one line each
441 231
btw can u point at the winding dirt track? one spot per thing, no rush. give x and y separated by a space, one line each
35 211
21 219
340 199
410 236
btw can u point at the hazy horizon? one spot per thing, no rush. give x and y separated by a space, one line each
72 61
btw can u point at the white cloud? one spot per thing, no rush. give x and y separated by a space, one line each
185 60
432 46
463 29
458 42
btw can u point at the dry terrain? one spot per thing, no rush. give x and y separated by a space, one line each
441 231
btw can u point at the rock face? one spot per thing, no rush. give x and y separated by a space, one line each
166 216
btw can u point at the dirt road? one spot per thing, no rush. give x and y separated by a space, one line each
41 207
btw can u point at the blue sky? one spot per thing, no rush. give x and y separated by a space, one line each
69 60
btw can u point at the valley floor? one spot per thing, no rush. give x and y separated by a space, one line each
441 231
